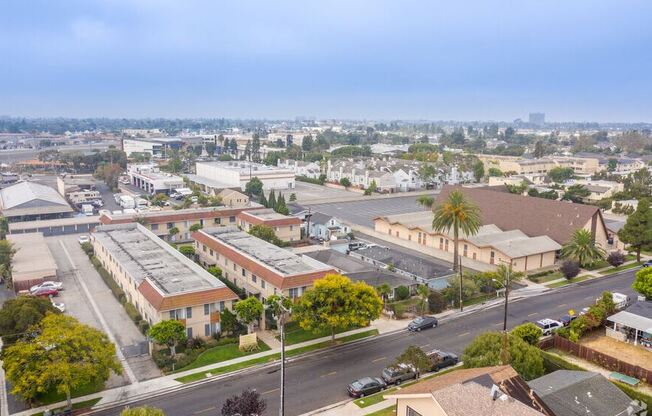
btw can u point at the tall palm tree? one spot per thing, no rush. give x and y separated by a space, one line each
457 214
423 291
581 248
383 291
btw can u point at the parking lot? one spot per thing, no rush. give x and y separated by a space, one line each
363 212
310 192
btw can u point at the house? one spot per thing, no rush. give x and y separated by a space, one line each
581 393
287 228
29 201
161 282
33 262
634 324
310 170
495 391
599 189
327 227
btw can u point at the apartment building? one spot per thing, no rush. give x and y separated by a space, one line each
150 179
287 228
520 166
161 282
259 267
161 222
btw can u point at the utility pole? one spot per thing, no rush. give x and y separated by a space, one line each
504 351
459 259
308 224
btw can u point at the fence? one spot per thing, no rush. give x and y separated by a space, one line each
596 357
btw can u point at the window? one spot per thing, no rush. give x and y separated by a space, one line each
188 312
189 332
244 273
466 249
218 220
294 293
491 257
204 248
441 243
222 306
207 330
411 412
176 314
262 284
254 278
170 225
291 227
231 219
154 227
207 309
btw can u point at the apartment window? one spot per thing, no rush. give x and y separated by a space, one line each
204 248
235 267
176 314
466 249
446 245
211 252
231 219
218 220
291 227
419 238
262 284
411 412
154 227
441 243
254 278
188 312
170 225
244 273
492 257
201 222
294 293
222 306
207 309
189 332
207 330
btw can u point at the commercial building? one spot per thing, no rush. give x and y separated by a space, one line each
286 228
68 183
150 179
159 281
259 267
538 119
29 201
520 166
60 226
157 147
182 220
33 262
235 174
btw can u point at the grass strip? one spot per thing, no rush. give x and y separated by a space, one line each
620 268
390 411
568 282
87 404
221 353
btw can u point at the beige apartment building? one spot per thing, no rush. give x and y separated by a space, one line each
259 267
520 166
285 227
161 282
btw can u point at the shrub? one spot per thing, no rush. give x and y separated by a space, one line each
528 332
195 343
143 326
88 248
345 182
616 258
402 292
187 251
570 269
399 310
215 271
319 181
133 312
436 302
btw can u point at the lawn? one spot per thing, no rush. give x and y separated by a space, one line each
568 282
597 265
233 367
294 334
547 277
620 268
221 353
87 404
390 411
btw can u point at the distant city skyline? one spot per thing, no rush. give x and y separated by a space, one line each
376 60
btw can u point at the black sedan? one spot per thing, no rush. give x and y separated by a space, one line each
422 322
366 386
567 319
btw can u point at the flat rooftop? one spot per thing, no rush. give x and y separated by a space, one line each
280 260
266 214
244 167
162 140
145 256
32 255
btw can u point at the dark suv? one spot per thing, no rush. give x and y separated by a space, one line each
441 359
366 386
399 373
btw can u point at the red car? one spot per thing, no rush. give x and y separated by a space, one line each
45 292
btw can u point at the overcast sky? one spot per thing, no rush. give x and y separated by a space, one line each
440 60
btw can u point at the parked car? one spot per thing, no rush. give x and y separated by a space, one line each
45 292
59 305
548 326
194 199
423 322
399 373
567 319
356 245
47 285
647 263
441 359
84 239
366 386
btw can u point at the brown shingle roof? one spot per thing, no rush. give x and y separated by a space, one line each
534 216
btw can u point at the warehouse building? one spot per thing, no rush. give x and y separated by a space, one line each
150 179
212 176
29 201
161 282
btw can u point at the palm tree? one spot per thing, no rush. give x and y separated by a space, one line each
423 291
456 213
383 291
425 201
581 248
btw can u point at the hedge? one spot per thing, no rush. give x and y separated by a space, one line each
309 180
133 313
118 293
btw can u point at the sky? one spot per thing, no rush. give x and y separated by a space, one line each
577 60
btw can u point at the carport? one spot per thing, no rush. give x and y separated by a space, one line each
633 325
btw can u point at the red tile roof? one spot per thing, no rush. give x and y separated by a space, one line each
163 303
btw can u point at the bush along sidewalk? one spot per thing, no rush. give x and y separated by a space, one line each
118 293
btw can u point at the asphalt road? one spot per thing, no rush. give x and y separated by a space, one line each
364 211
320 379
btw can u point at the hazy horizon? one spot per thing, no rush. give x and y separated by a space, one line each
366 60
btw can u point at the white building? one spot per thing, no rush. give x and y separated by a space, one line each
150 179
158 147
300 168
220 175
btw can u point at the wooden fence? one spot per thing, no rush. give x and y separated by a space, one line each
596 357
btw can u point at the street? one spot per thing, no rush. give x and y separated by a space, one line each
320 379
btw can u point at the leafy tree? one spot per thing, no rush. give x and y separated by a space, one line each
384 291
427 172
254 186
210 149
170 332
484 351
196 227
255 148
61 354
570 269
271 200
436 302
21 313
372 188
265 232
335 302
559 174
248 403
248 311
247 151
637 231
639 184
110 174
539 150
188 251
281 206
456 214
643 282
175 164
478 171
345 182
4 227
576 193
495 172
582 248
425 201
173 231
402 292
142 411
293 197
7 252
307 143
517 189
415 357
423 291
528 332
552 194
228 321
616 258
612 164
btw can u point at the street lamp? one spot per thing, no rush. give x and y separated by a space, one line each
504 353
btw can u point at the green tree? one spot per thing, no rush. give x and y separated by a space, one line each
639 184
281 206
172 232
255 148
19 314
576 193
7 252
265 232
528 332
188 251
337 303
484 351
63 355
456 213
293 197
427 172
196 227
175 165
169 332
637 231
307 143
271 200
254 186
142 411
539 150
345 182
478 171
643 282
495 172
559 174
582 248
423 291
248 311
4 227
210 149
612 164
517 189
384 291
425 201
415 357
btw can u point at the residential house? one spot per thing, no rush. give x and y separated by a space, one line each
634 324
287 228
327 227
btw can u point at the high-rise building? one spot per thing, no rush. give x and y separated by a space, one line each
538 119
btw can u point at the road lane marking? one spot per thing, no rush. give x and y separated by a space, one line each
378 359
269 391
198 412
498 324
562 305
329 374
464 334
533 313
424 346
